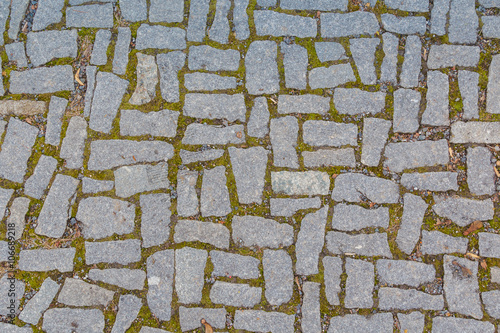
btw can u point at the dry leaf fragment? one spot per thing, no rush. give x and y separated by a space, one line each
483 264
238 135
77 77
496 172
465 271
476 225
472 256
208 328
297 282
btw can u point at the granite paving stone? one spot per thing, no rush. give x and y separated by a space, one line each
329 51
91 74
463 211
258 231
411 222
128 309
155 219
189 157
214 198
17 218
262 321
442 56
363 53
147 79
352 187
480 172
205 232
328 133
244 162
405 272
388 69
348 24
404 25
215 106
160 37
451 324
493 88
406 110
64 319
42 260
240 19
468 83
310 242
288 207
90 295
24 107
495 274
190 317
311 316
90 16
407 299
489 245
166 11
17 11
284 135
121 252
134 10
409 5
100 47
410 155
375 135
57 108
43 80
430 181
44 46
261 68
436 242
12 291
212 59
475 132
491 301
356 101
353 217
169 64
187 196
258 122
219 31
161 123
490 3
130 279
332 272
11 328
4 15
329 157
439 18
295 62
331 77
36 306
437 109
490 26
410 70
229 264
412 322
121 54
300 183
359 284
362 244
189 270
160 270
278 276
73 144
235 294
203 134
16 52
376 323
208 82
198 11
463 22
268 22
133 179
323 5
266 3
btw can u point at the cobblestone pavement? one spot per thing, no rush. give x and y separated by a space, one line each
250 166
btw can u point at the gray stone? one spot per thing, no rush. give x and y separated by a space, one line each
410 70
352 187
405 272
412 322
57 108
489 245
160 272
463 23
410 155
354 217
128 309
409 5
329 157
230 265
329 133
108 154
408 299
463 211
166 11
375 135
413 215
460 283
155 218
389 64
495 274
278 276
211 59
331 77
214 193
436 242
442 56
90 73
209 82
284 134
45 46
133 179
147 79
257 231
268 22
475 132
100 47
324 5
17 12
134 10
439 18
65 319
42 260
130 279
56 209
261 68
81 2
452 324
359 284
468 83
480 171
262 321
295 62
160 37
73 144
240 19
187 197
490 3
267 3
189 274
363 53
303 104
363 244
4 15
43 80
288 207
430 181
190 317
121 252
203 134
189 157
102 217
406 110
407 25
121 53
493 88
198 11
310 242
331 274
258 122
245 162
437 110
169 64
311 316
491 26
17 217
491 300
90 16
11 328
4 251
36 306
376 323
215 106
348 24
235 294
356 101
300 183
108 95
329 51
12 291
219 31
89 294
205 232
16 53
24 107
161 123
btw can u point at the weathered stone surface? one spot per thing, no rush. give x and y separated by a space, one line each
349 24
90 295
107 154
452 324
413 215
56 208
203 134
133 179
437 110
102 217
12 291
389 64
490 26
439 17
278 276
147 79
329 51
91 74
17 12
190 317
463 211
214 193
108 95
189 271
245 162
324 5
261 321
288 207
235 294
331 77
407 299
156 123
475 132
57 108
121 52
229 264
160 272
430 181
43 80
284 134
160 37
491 300
155 219
375 135
189 157
268 22
130 279
404 25
410 69
219 31
100 47
377 323
406 110
332 271
16 53
441 56
4 15
240 19
128 309
490 3
44 46
359 284
134 10
36 306
17 217
489 245
410 155
64 319
352 187
356 101
310 242
187 196
169 64
408 5
47 260
261 68
5 195
311 316
404 272
362 244
300 183
215 106
197 22
412 322
480 172
166 11
90 16
363 53
303 104
73 144
212 59
295 62
258 122
11 328
436 242
257 231
24 107
463 22
210 82
121 252
329 157
353 217
495 274
205 232
329 133
468 83
493 96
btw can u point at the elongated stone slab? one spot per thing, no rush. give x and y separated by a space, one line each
244 162
278 276
362 244
130 279
349 24
156 123
262 321
230 264
356 101
375 135
122 49
214 198
413 215
437 111
331 77
147 79
215 106
36 306
57 108
64 319
401 299
441 56
42 260
268 22
261 68
303 104
189 274
73 144
160 37
121 252
90 295
352 187
235 294
203 134
133 179
430 181
405 272
463 211
257 231
160 273
288 207
204 232
475 132
310 242
493 89
90 16
300 183
359 284
329 133
332 272
155 218
436 242
409 155
353 217
284 133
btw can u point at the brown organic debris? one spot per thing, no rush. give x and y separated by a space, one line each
208 328
465 271
476 225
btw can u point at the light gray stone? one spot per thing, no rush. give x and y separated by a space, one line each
406 25
436 242
24 107
430 181
408 299
258 122
352 187
375 135
266 3
203 134
130 279
240 19
491 300
198 11
377 323
133 179
235 294
493 88
160 37
257 231
480 171
160 272
166 11
405 272
412 63
43 80
73 144
245 162
463 22
303 104
128 309
17 12
495 274
81 2
187 196
17 218
57 108
45 46
331 274
189 157
406 110
288 207
36 306
205 232
489 245
121 252
331 77
439 18
311 316
219 31
12 291
134 10
261 68
90 73
215 106
329 157
442 56
363 244
356 101
413 215
42 260
100 47
102 217
468 83
463 211
354 217
190 317
214 193
388 69
490 3
412 322
64 320
229 264
310 242
295 62
475 132
300 183
209 82
211 59
56 209
121 53
16 53
161 123
89 294
490 26
189 274
262 321
169 64
11 328
324 5
90 16
410 155
359 284
329 133
284 134
348 24
409 5
4 15
363 53
155 218
437 110
329 51
4 251
452 324
278 276
268 22
147 79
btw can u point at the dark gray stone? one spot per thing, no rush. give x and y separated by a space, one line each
480 172
463 211
44 46
436 242
406 110
16 53
491 300
209 82
359 284
489 245
57 108
73 144
331 77
161 123
295 62
169 65
215 106
43 80
329 157
278 276
187 197
452 324
245 162
348 24
375 135
133 179
36 184
410 155
235 294
58 320
412 63
376 323
404 25
262 321
198 11
219 31
329 133
310 242
160 272
441 56
134 10
258 122
389 64
147 79
332 271
189 274
155 218
240 19
413 215
257 231
121 53
211 59
475 132
284 134
121 252
189 157
300 183
268 22
352 187
354 217
409 5
160 37
128 309
491 26
362 244
261 68
205 232
323 5
468 83
229 264
214 193
17 12
100 47
437 110
203 134
89 294
329 51
90 16
288 207
430 181
405 272
408 299
190 317
463 22
412 322
311 316
130 279
363 53
166 11
36 306
42 260
356 101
